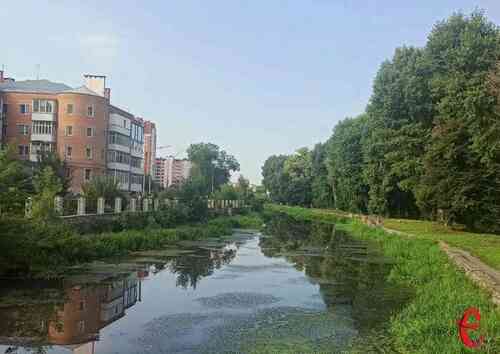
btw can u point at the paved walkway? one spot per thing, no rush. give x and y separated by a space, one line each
480 273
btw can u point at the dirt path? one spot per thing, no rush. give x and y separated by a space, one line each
480 273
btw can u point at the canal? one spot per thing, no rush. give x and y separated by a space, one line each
292 285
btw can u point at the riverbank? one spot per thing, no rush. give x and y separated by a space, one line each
427 323
45 250
484 246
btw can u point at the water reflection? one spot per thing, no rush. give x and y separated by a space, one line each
348 271
73 319
192 268
71 312
319 279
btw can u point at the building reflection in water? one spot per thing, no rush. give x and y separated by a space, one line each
70 313
74 319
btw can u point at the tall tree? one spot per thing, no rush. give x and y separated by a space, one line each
15 182
322 191
213 165
298 167
275 180
47 185
345 165
400 111
461 53
58 166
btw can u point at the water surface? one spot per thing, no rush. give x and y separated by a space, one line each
297 281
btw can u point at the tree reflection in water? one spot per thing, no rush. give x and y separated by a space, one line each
349 272
191 268
72 311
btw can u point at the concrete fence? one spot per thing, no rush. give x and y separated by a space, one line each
77 207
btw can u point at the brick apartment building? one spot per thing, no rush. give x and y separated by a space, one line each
171 171
79 124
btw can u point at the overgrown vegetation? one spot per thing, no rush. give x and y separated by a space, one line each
45 242
427 324
427 145
32 248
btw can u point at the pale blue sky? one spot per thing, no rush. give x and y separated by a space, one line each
256 77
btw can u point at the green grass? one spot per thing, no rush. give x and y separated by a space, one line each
484 246
39 250
249 221
427 324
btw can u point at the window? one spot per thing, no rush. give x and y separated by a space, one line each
87 174
118 156
24 108
88 152
81 326
82 305
136 162
69 108
43 106
119 139
124 123
24 150
38 148
90 132
4 108
136 179
42 127
68 130
68 151
121 176
23 129
90 110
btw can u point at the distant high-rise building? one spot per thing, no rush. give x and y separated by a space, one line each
171 171
149 148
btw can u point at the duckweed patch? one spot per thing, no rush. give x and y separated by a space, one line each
238 300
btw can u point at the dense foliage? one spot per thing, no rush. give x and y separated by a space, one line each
428 144
211 165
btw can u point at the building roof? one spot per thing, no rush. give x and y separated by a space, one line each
42 86
82 90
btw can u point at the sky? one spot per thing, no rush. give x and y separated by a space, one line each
256 77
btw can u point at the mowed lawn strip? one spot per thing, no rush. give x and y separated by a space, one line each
484 246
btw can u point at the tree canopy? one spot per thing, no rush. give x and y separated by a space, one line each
428 144
212 165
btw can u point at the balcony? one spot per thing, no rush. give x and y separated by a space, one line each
137 170
118 166
46 138
46 117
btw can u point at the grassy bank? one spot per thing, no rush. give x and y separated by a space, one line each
484 246
427 323
39 249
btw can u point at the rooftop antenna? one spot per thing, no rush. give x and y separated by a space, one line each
38 71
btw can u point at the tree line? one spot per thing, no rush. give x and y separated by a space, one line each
428 143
